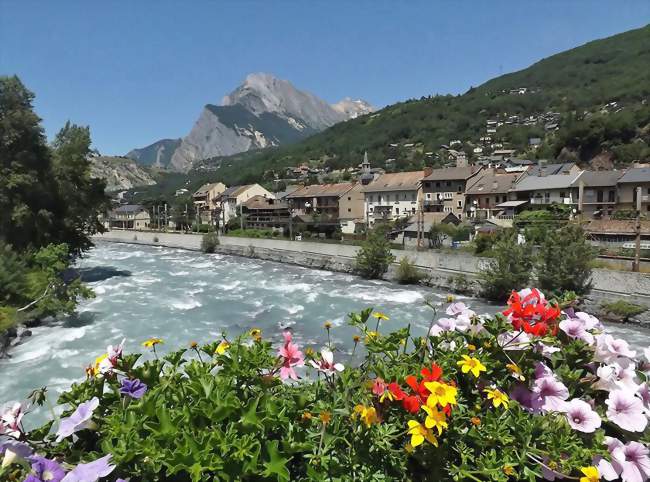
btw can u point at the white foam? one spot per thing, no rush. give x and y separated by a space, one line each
294 309
179 273
189 304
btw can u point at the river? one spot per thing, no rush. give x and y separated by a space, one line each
183 296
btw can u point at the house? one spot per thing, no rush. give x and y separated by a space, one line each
409 234
261 212
617 232
291 188
351 210
205 200
443 190
542 168
392 196
459 158
488 190
544 190
129 216
504 153
597 193
534 142
368 174
627 193
232 198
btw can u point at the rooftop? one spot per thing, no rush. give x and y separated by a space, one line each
261 202
551 169
555 181
616 226
636 174
235 191
395 181
452 173
430 219
322 190
130 208
490 182
203 190
598 178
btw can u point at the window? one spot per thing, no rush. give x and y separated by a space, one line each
448 183
349 210
396 210
372 198
428 195
349 198
612 196
438 184
459 189
562 194
460 204
599 196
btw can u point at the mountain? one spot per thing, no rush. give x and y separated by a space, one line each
262 112
158 154
587 103
120 173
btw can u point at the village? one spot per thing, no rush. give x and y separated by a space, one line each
485 196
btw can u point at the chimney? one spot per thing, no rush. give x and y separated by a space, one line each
428 171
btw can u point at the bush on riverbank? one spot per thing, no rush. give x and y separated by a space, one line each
209 242
524 395
407 272
510 267
622 310
375 256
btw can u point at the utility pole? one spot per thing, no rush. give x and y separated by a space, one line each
241 215
166 221
637 247
290 206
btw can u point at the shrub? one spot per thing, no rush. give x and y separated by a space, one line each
209 242
565 261
155 239
483 243
622 309
460 284
450 406
407 272
510 267
374 257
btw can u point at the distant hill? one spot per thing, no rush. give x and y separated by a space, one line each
262 112
159 154
120 173
589 103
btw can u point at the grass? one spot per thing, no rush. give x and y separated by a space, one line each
622 309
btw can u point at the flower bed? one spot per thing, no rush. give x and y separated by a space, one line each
538 392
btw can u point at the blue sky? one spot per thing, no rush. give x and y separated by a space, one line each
138 71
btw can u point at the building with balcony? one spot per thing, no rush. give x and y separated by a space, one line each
129 216
443 190
546 190
261 212
230 201
392 196
597 196
487 191
205 200
627 186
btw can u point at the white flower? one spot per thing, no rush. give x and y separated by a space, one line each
327 365
619 375
608 349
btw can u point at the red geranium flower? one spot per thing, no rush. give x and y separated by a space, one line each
528 310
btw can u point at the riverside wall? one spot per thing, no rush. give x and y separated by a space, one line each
444 270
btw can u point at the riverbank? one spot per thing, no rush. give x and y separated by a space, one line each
457 272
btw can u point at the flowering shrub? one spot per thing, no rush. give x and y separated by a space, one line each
537 392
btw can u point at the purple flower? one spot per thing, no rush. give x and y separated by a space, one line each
513 340
550 394
457 308
524 397
632 461
79 420
644 393
626 411
581 417
617 376
45 470
608 349
133 388
91 471
12 415
19 449
575 328
443 324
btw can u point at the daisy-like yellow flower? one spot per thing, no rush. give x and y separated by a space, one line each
95 368
440 394
471 364
152 342
325 417
471 347
255 333
306 416
450 298
508 470
387 395
498 397
590 474
475 421
380 316
368 415
419 433
435 419
356 339
327 325
222 347
371 335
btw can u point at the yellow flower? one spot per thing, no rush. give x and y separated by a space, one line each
475 421
371 335
441 394
152 342
508 470
328 325
409 448
193 345
306 416
435 419
515 371
590 474
450 298
356 339
419 433
309 352
387 395
497 397
95 369
222 347
470 364
325 417
256 333
367 414
471 347
380 316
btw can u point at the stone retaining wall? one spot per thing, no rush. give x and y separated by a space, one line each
443 269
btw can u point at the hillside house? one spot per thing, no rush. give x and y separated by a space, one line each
409 236
327 207
261 212
597 195
392 196
130 216
627 184
487 191
231 200
205 200
443 190
545 190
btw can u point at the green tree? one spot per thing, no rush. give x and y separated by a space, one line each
375 256
509 268
565 260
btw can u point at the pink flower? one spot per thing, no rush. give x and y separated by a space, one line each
10 420
608 349
590 322
378 386
443 324
575 328
326 364
513 340
618 375
291 357
457 308
115 352
550 394
581 417
524 397
626 411
644 393
633 462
